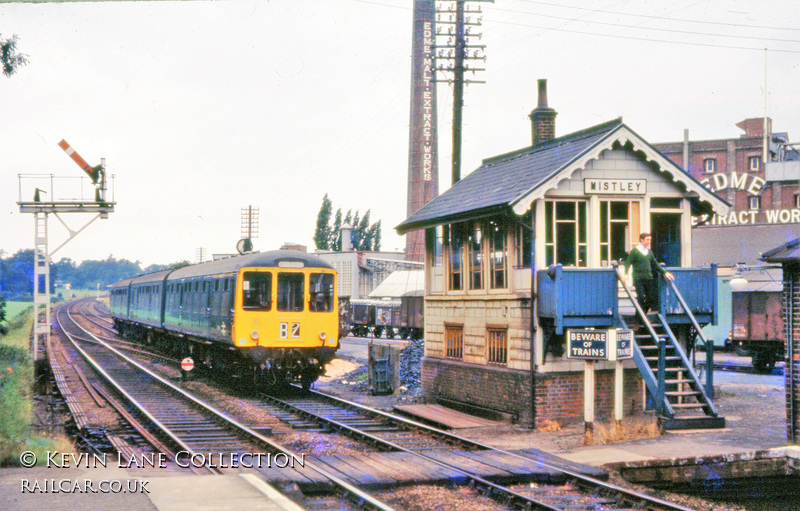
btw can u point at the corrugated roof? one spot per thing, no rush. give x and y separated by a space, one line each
401 283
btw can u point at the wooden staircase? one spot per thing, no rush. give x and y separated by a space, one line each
686 403
678 396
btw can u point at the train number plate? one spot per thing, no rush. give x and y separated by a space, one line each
288 330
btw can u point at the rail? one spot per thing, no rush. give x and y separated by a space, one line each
364 499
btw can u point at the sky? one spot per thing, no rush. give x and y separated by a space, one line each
201 109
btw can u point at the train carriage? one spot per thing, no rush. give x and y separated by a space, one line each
270 317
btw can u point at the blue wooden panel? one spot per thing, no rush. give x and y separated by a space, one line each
698 286
577 296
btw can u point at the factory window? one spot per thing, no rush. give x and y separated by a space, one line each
498 254
754 163
257 290
797 200
496 345
710 165
321 291
290 292
754 202
475 247
454 341
565 233
455 267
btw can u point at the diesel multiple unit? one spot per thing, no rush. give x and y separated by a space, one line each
267 317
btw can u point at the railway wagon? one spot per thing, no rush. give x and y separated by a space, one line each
268 317
401 317
757 328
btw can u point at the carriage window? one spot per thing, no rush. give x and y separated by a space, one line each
321 291
290 292
257 290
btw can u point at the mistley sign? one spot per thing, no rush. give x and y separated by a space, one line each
615 186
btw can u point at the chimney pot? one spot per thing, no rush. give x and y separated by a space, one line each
543 118
542 93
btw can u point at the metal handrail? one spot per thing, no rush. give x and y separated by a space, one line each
664 406
709 383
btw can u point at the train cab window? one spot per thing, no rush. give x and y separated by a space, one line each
290 292
321 292
257 291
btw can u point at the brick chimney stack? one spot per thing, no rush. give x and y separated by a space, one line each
543 118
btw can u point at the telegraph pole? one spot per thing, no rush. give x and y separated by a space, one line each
249 231
455 32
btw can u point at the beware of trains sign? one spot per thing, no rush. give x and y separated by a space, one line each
587 344
614 344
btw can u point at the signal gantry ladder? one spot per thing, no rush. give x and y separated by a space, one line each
680 399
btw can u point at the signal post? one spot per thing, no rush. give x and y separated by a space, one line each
46 194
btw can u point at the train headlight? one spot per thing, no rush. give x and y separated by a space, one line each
323 335
254 335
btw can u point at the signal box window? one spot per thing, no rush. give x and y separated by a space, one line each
454 341
496 345
257 291
321 291
455 242
290 292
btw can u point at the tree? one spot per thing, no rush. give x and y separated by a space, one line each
335 241
327 236
322 234
10 59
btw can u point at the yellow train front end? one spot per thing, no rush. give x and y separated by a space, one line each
286 320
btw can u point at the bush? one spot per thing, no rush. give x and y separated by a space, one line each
16 375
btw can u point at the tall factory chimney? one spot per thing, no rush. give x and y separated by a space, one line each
543 118
423 160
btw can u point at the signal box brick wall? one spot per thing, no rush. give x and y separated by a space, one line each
559 396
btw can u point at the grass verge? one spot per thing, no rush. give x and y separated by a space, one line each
16 402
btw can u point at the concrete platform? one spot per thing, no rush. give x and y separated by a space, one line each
116 489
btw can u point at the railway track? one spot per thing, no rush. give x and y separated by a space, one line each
558 484
189 432
528 480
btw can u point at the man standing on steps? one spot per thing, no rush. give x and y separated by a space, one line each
644 277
